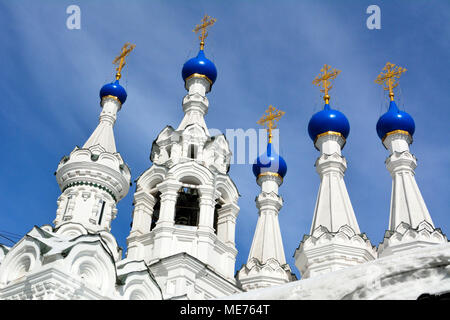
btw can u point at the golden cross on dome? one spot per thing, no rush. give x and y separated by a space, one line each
389 79
323 80
207 21
270 119
120 59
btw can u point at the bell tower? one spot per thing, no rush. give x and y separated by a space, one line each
185 204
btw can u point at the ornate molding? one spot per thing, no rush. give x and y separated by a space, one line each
405 237
325 251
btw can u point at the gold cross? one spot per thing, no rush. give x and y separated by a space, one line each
323 80
120 59
389 79
270 120
207 21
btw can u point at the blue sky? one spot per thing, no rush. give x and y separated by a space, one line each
266 52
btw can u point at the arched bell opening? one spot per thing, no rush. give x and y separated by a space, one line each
217 207
192 151
156 208
187 207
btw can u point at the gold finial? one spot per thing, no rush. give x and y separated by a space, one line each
120 59
389 79
270 118
323 80
207 21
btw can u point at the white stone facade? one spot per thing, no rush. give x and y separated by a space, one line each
50 264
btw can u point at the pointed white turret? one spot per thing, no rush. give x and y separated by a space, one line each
266 264
410 224
335 240
94 178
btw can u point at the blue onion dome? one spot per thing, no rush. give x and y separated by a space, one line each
270 161
393 120
328 120
200 65
114 89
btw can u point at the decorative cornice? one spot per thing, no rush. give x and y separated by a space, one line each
329 133
198 75
405 232
95 185
272 174
321 234
113 98
394 132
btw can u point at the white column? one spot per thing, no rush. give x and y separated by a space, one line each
207 205
142 213
169 193
205 231
164 229
226 223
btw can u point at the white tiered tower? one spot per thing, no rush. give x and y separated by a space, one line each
266 264
410 224
185 204
93 178
79 258
335 240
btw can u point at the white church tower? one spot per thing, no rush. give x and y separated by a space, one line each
185 204
79 258
335 240
410 224
266 265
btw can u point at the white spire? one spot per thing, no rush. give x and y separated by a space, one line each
266 264
410 224
103 135
335 240
92 179
333 207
